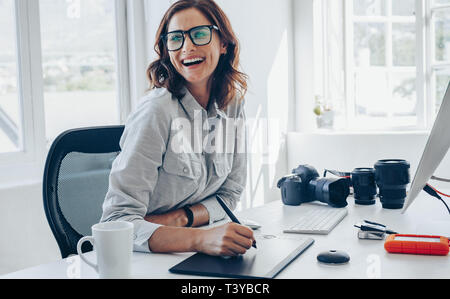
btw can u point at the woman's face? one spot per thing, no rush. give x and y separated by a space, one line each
197 74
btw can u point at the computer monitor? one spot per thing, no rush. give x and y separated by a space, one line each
435 150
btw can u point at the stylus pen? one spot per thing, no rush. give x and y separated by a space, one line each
230 214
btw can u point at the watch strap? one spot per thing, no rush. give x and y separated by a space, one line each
189 214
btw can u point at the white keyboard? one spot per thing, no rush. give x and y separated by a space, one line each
316 219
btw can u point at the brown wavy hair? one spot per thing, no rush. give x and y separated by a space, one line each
228 81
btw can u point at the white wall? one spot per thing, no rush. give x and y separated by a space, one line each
26 238
265 30
306 60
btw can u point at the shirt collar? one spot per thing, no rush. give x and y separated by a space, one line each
191 105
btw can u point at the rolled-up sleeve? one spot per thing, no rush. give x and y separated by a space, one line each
134 172
233 187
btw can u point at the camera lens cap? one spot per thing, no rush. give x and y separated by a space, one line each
335 257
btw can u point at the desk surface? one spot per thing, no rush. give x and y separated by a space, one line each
368 258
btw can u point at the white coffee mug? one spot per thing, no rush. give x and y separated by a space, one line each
113 244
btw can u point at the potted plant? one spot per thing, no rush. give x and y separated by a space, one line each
324 114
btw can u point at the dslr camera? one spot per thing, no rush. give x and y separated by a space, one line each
305 185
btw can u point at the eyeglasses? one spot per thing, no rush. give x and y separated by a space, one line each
200 36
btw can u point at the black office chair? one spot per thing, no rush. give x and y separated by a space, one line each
76 178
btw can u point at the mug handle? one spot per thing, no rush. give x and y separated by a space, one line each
90 239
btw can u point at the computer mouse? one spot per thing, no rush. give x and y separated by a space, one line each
250 223
335 257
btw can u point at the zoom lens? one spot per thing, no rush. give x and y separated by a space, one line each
392 177
364 188
333 191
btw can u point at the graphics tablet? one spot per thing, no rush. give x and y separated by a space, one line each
274 253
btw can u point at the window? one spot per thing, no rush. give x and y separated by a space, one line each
440 52
396 62
10 122
382 71
78 61
64 64
59 62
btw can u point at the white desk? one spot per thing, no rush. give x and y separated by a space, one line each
368 258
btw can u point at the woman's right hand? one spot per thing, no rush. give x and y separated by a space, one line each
229 239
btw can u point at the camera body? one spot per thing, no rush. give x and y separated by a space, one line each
305 185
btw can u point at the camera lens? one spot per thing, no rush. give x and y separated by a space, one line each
364 188
392 177
333 191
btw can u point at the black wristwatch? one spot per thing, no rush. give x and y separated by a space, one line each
189 214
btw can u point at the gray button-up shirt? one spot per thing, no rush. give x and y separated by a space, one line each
175 153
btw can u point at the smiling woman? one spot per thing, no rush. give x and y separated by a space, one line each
167 71
165 192
194 63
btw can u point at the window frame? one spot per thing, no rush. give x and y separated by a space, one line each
28 162
27 92
388 20
425 64
432 64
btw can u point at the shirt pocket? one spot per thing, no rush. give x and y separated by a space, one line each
222 167
182 166
179 179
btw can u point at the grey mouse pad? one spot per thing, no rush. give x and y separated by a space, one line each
274 253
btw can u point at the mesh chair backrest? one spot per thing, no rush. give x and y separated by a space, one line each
76 177
82 186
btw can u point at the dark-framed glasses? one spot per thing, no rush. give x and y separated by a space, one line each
200 36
